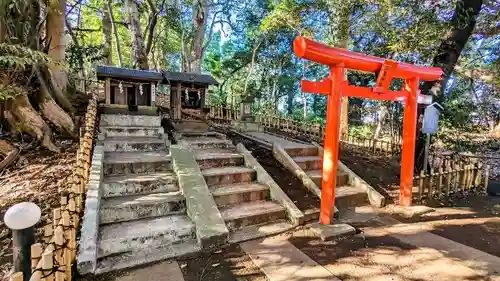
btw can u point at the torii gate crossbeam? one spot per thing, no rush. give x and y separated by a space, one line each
335 86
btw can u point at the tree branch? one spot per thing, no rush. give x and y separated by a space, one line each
153 20
211 31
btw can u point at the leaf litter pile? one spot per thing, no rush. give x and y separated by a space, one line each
35 177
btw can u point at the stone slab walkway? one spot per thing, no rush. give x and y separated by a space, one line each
281 261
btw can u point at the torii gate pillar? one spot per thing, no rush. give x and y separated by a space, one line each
335 86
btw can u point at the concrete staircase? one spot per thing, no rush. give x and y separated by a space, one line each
142 212
243 202
306 159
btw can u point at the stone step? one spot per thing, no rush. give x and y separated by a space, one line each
256 212
252 232
209 142
134 207
119 120
133 235
135 184
312 214
239 193
306 150
122 163
347 196
191 126
129 144
308 163
147 255
121 131
315 175
209 159
227 175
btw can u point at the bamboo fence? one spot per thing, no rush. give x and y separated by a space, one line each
312 130
452 178
53 258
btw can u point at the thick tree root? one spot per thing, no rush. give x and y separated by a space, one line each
22 117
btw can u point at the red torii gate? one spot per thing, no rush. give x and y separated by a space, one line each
335 86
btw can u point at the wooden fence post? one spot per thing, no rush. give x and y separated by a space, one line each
36 255
448 179
486 177
59 253
48 266
421 185
463 179
456 175
440 182
479 171
56 216
431 183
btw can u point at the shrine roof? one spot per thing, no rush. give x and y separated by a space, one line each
104 71
188 77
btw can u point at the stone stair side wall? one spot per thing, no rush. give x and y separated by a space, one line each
87 250
277 194
286 160
211 230
376 199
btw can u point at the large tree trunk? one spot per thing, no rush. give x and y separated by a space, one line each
56 20
106 36
200 15
22 117
463 22
115 32
139 57
338 16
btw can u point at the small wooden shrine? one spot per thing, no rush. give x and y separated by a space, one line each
187 91
132 87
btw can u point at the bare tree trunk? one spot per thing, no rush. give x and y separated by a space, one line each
56 20
153 20
200 15
115 33
139 57
106 36
252 65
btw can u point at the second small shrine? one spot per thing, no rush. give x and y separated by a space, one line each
187 91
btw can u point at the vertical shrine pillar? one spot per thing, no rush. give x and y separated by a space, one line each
331 145
408 145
